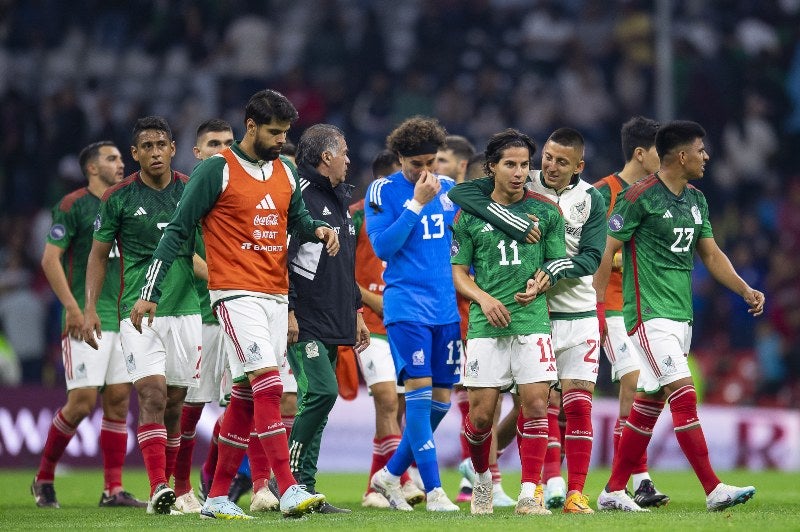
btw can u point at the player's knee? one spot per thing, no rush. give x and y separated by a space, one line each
481 418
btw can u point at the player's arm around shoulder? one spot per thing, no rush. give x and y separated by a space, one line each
720 267
474 197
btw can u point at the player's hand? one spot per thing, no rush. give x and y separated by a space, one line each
534 233
601 320
91 327
426 188
294 329
141 309
362 334
330 238
756 300
542 280
497 313
73 323
530 293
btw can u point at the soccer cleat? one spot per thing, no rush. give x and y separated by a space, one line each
222 508
500 498
531 506
297 501
437 501
383 483
724 496
162 500
555 493
122 498
205 485
464 494
264 501
373 499
240 485
188 503
538 495
328 508
412 493
618 500
647 495
482 497
467 471
44 493
577 503
272 484
413 472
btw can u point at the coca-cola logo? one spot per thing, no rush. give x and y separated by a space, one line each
269 220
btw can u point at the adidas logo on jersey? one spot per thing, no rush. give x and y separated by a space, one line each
326 211
427 446
140 212
266 203
667 214
487 228
551 367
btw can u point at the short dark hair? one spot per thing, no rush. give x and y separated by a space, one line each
638 132
677 133
384 163
509 138
212 124
91 152
460 146
268 105
475 167
417 135
157 123
316 140
566 136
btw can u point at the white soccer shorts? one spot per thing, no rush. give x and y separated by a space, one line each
86 368
619 349
577 347
503 361
663 352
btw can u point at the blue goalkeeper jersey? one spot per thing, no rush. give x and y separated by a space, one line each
416 249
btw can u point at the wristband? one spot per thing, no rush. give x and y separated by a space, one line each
414 206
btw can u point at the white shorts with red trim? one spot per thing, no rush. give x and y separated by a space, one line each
577 347
663 352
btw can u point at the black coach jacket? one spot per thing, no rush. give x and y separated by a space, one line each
322 289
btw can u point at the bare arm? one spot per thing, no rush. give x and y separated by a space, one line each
51 265
497 314
723 271
603 273
200 267
95 275
372 300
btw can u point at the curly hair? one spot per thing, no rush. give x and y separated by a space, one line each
417 135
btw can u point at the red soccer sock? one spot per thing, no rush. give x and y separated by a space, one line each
618 433
211 460
480 441
552 458
113 445
462 402
683 405
59 436
190 415
494 469
173 446
532 435
635 436
234 434
152 439
382 450
267 390
578 438
259 464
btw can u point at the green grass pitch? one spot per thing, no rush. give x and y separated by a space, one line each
776 506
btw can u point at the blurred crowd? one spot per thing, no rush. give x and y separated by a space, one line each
77 72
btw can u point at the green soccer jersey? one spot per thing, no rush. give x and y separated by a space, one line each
136 215
660 232
503 265
71 230
206 313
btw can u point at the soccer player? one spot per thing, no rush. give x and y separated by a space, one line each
64 265
452 159
509 328
324 300
407 220
377 366
641 159
248 200
163 361
659 222
572 302
212 137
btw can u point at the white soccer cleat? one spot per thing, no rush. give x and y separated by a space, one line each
437 501
482 497
412 493
297 501
264 501
531 506
500 498
725 496
373 499
383 482
467 471
162 500
416 478
618 500
188 503
555 493
222 508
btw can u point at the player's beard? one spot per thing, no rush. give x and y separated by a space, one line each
265 153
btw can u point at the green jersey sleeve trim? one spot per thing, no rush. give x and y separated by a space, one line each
474 197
